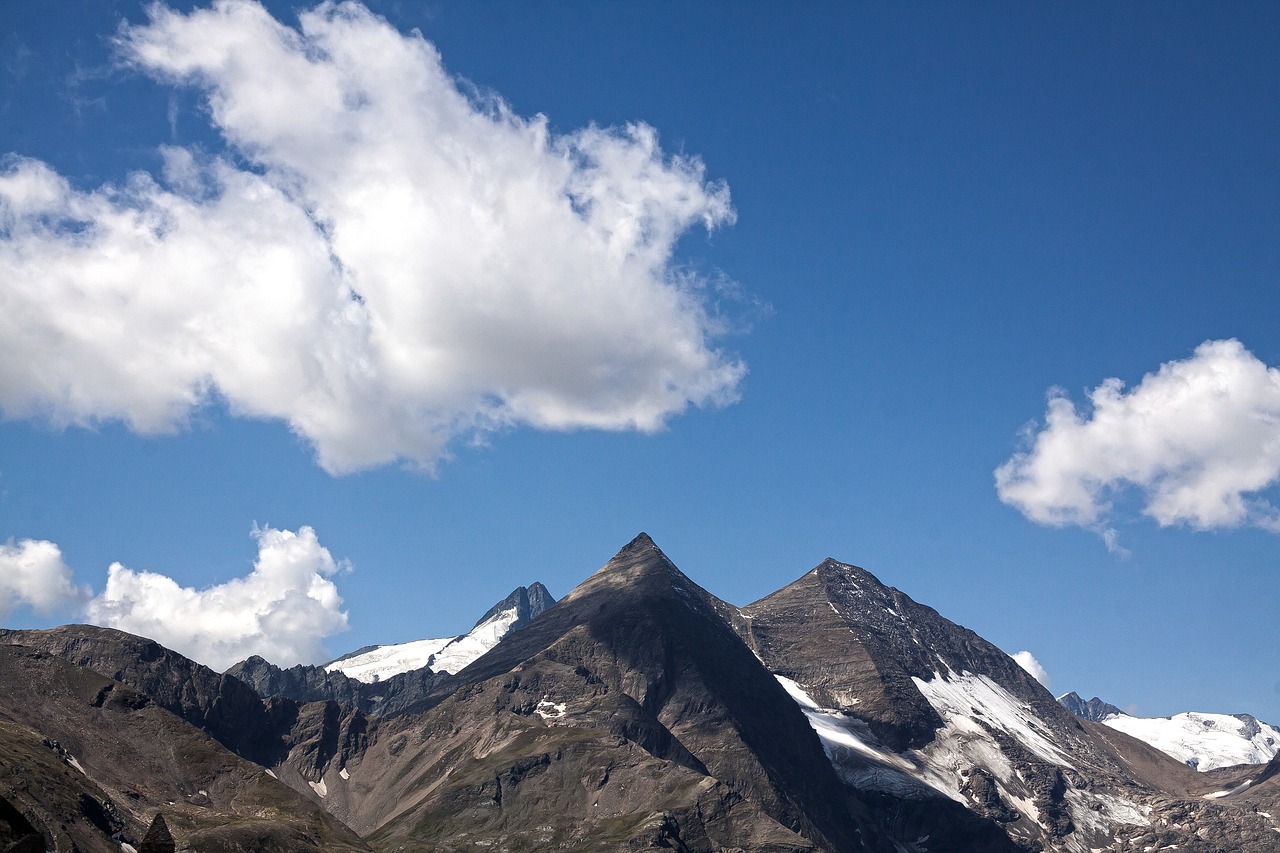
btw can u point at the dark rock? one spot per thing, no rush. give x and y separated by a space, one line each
981 790
1095 709
158 838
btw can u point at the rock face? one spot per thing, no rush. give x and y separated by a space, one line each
1095 709
17 835
316 684
158 838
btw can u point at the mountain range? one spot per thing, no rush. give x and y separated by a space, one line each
638 712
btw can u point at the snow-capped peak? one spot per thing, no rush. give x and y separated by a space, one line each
451 654
448 654
1204 741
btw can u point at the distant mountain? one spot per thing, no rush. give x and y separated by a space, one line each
451 654
385 680
836 715
1200 741
1095 709
1204 741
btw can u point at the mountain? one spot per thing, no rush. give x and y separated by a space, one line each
385 680
836 715
452 654
1095 709
913 708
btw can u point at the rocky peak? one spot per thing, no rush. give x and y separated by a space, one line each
529 602
1095 709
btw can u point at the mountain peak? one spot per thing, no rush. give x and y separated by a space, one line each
1095 709
640 567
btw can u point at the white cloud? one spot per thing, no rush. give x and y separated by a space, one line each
1199 439
1028 661
33 574
281 610
381 261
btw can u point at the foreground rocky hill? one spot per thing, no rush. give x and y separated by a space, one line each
639 712
83 756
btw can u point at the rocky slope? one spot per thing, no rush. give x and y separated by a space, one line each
83 756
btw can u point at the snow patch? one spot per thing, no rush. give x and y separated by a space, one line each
272 774
1229 791
320 788
71 759
344 774
834 729
1097 813
549 710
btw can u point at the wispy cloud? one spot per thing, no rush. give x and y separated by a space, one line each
1199 440
282 610
381 260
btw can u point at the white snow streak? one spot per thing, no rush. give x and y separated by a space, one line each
960 698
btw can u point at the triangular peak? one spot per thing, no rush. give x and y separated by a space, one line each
639 567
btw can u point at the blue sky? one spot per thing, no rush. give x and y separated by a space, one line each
938 216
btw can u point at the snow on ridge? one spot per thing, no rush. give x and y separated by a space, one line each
1203 741
450 654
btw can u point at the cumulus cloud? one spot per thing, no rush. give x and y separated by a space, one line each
282 610
1028 661
1199 440
379 259
32 574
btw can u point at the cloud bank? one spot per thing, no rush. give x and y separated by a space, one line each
1028 661
1199 440
32 574
381 260
282 610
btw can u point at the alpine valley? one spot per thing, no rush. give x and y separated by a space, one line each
638 712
